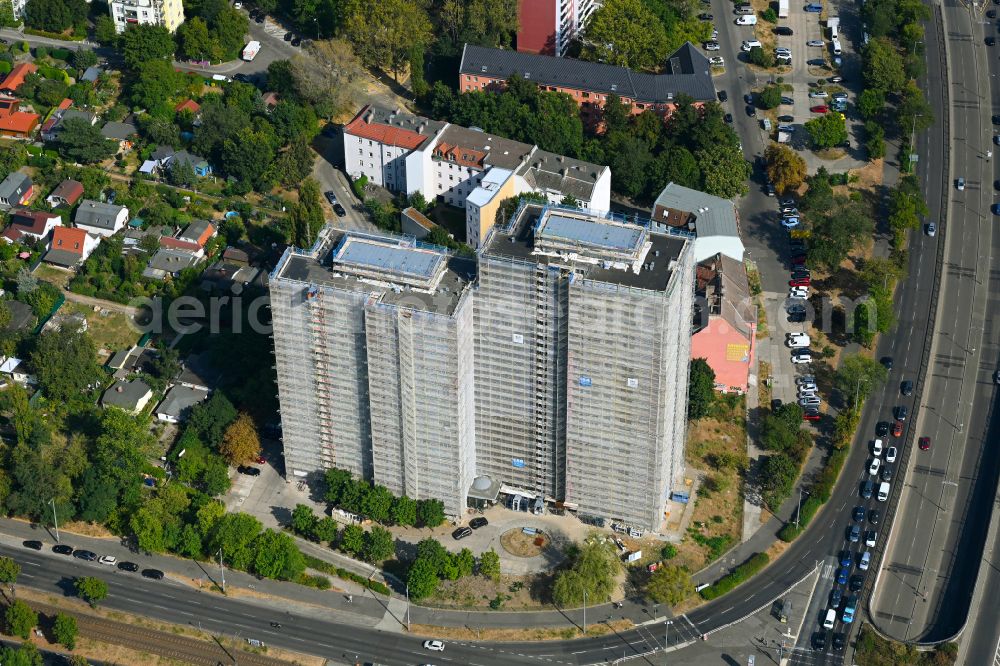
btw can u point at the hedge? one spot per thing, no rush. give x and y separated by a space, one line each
319 582
821 492
59 53
737 576
344 574
54 35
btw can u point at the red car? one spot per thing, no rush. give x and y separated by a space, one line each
799 282
819 109
925 443
260 460
897 429
810 416
799 260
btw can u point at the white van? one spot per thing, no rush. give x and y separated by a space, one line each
743 10
831 618
746 20
749 44
866 558
883 492
836 47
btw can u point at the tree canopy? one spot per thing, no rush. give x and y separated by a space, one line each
626 33
79 141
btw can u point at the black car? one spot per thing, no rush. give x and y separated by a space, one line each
259 19
248 470
798 275
339 210
728 118
996 119
476 523
705 17
33 545
838 642
751 111
991 14
887 362
859 513
857 581
783 30
87 555
900 412
874 516
330 196
906 388
723 95
461 533
819 641
886 474
128 566
786 119
787 100
776 404
62 549
155 574
297 41
817 62
882 428
796 308
990 41
769 189
748 98
797 317
288 36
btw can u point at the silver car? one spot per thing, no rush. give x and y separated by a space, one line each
818 94
815 42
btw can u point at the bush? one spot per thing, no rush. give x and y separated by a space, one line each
344 574
739 575
760 57
359 187
319 582
769 15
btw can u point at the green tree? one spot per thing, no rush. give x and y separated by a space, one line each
275 555
594 570
241 443
871 102
337 481
883 65
54 15
84 58
701 389
330 77
378 545
828 130
64 630
104 30
79 141
857 376
761 58
430 513
229 30
630 159
9 571
326 529
64 363
143 42
489 564
147 527
670 584
21 619
235 535
785 168
193 40
155 84
209 419
777 476
352 539
464 562
7 19
304 520
723 170
403 511
421 579
377 504
90 589
625 33
384 32
248 155
769 98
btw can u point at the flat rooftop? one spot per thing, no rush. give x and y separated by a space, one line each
598 248
403 271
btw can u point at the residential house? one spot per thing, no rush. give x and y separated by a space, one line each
464 167
270 100
714 220
221 277
188 105
53 126
15 77
234 255
166 13
128 361
16 370
67 193
30 226
103 219
123 133
15 190
22 317
200 165
70 247
178 402
91 74
15 123
688 72
166 261
131 396
17 6
199 232
725 322
197 373
416 224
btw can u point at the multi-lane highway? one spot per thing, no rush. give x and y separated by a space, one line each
925 583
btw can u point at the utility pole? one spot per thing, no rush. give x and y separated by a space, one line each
585 612
407 608
55 519
222 568
801 491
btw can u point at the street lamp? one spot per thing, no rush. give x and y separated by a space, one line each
799 511
55 519
666 635
585 612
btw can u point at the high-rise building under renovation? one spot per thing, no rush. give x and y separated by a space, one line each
583 333
373 339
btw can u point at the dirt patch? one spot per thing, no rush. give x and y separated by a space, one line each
507 593
519 544
88 529
831 154
474 634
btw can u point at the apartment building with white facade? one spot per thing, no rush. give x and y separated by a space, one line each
458 165
168 13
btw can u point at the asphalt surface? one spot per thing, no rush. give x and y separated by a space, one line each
926 583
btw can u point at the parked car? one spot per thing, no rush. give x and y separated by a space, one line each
890 455
339 210
86 555
814 8
857 582
876 447
821 108
110 560
783 30
712 46
818 94
859 513
155 574
882 428
897 429
874 465
900 412
874 516
478 522
248 470
62 549
330 196
871 536
853 533
787 101
33 545
924 443
461 533
723 95
128 566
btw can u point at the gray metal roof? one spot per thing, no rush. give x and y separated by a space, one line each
388 257
688 73
120 131
591 232
501 152
97 214
62 258
171 261
14 185
550 171
179 399
713 216
194 230
125 394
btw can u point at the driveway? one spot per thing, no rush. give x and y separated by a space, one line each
327 171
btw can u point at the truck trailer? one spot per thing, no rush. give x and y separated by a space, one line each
782 8
251 50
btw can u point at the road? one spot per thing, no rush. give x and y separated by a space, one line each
925 583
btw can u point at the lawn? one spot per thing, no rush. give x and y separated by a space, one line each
717 446
110 330
52 275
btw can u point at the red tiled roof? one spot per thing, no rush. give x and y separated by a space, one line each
69 239
459 155
70 190
19 122
177 244
187 105
65 104
386 134
270 99
31 221
16 76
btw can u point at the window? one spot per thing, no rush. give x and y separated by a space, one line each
585 95
361 151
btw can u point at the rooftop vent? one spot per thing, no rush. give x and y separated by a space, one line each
484 68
